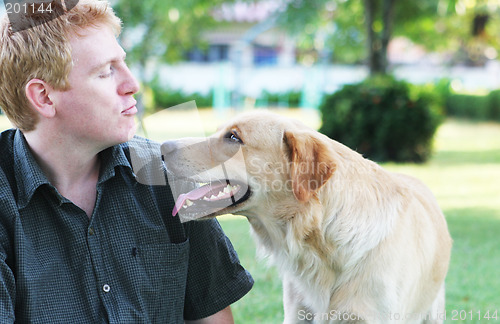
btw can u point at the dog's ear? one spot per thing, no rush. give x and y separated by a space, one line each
311 163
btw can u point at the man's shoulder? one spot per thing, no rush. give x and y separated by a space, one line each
6 163
7 137
6 148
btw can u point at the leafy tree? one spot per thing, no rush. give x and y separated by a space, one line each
348 31
351 25
360 30
162 30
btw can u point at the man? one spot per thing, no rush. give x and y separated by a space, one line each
81 240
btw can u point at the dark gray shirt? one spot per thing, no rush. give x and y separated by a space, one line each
132 262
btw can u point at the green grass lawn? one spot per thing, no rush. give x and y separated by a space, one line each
464 174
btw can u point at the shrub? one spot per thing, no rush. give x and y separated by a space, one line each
287 99
468 106
476 107
494 105
165 97
383 119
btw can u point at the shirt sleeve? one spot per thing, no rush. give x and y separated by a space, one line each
216 278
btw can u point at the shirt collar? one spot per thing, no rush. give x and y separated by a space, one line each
30 177
111 158
28 174
140 158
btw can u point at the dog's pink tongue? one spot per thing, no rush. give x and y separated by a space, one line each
192 195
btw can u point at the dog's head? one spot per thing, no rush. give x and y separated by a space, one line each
248 165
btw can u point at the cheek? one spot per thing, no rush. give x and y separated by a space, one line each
71 106
266 167
268 175
99 92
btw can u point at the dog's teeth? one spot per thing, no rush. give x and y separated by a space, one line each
229 189
189 203
184 206
235 189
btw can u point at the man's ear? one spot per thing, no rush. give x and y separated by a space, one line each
311 163
37 92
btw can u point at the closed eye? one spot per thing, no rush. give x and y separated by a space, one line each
233 137
107 73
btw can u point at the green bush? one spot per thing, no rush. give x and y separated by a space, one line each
468 106
476 107
287 99
165 97
383 119
494 105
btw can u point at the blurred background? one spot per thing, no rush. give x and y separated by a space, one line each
413 85
235 54
290 53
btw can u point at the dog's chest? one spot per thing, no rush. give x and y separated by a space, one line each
312 277
310 270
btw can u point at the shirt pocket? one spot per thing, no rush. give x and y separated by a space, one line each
165 266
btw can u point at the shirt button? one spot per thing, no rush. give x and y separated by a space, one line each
106 288
91 231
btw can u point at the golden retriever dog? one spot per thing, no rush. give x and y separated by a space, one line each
353 242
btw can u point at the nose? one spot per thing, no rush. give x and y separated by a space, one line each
129 84
168 147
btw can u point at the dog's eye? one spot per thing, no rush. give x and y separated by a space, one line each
233 137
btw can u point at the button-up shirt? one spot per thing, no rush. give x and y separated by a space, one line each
131 262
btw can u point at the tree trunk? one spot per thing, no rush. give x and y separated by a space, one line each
378 37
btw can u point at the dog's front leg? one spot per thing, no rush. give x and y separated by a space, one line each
295 311
437 313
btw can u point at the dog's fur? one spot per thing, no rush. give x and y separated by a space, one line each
353 242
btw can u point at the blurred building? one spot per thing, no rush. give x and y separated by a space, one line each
269 47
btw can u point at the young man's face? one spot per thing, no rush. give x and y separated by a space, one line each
99 108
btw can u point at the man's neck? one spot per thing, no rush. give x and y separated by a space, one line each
70 166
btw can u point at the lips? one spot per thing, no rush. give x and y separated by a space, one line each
131 110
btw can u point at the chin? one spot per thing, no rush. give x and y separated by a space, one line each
127 134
